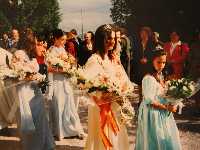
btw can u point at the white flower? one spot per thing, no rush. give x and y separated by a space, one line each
63 60
172 87
185 88
179 80
191 86
96 82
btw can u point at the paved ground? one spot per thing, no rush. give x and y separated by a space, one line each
188 124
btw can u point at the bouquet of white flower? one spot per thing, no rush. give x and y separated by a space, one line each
64 61
179 90
106 91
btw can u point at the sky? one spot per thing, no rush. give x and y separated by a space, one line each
94 14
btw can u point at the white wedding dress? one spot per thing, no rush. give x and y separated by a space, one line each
94 66
63 114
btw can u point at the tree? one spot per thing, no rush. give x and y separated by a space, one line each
5 26
37 14
120 11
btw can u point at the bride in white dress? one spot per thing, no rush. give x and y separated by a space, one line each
99 63
63 116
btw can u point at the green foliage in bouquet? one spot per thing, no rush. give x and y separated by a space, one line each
57 66
98 88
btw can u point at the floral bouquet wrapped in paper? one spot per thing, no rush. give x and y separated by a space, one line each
63 62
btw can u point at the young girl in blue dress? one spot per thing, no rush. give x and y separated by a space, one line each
156 129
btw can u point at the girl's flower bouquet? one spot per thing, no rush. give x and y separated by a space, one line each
105 91
63 62
179 90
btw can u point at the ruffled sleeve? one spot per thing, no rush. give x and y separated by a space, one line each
149 89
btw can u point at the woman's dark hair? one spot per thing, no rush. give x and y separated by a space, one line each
27 42
102 34
154 54
58 33
40 36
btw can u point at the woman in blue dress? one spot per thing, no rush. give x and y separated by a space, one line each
156 129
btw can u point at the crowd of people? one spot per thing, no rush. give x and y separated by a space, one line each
145 61
134 52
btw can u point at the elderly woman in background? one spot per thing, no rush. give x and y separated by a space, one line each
141 56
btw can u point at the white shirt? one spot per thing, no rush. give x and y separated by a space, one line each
173 46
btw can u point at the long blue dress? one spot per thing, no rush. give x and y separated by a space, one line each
157 128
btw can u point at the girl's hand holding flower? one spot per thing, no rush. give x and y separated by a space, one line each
168 107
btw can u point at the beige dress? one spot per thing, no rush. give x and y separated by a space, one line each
94 66
7 94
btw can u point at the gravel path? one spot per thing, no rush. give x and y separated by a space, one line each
188 124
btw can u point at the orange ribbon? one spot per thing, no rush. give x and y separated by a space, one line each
107 118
